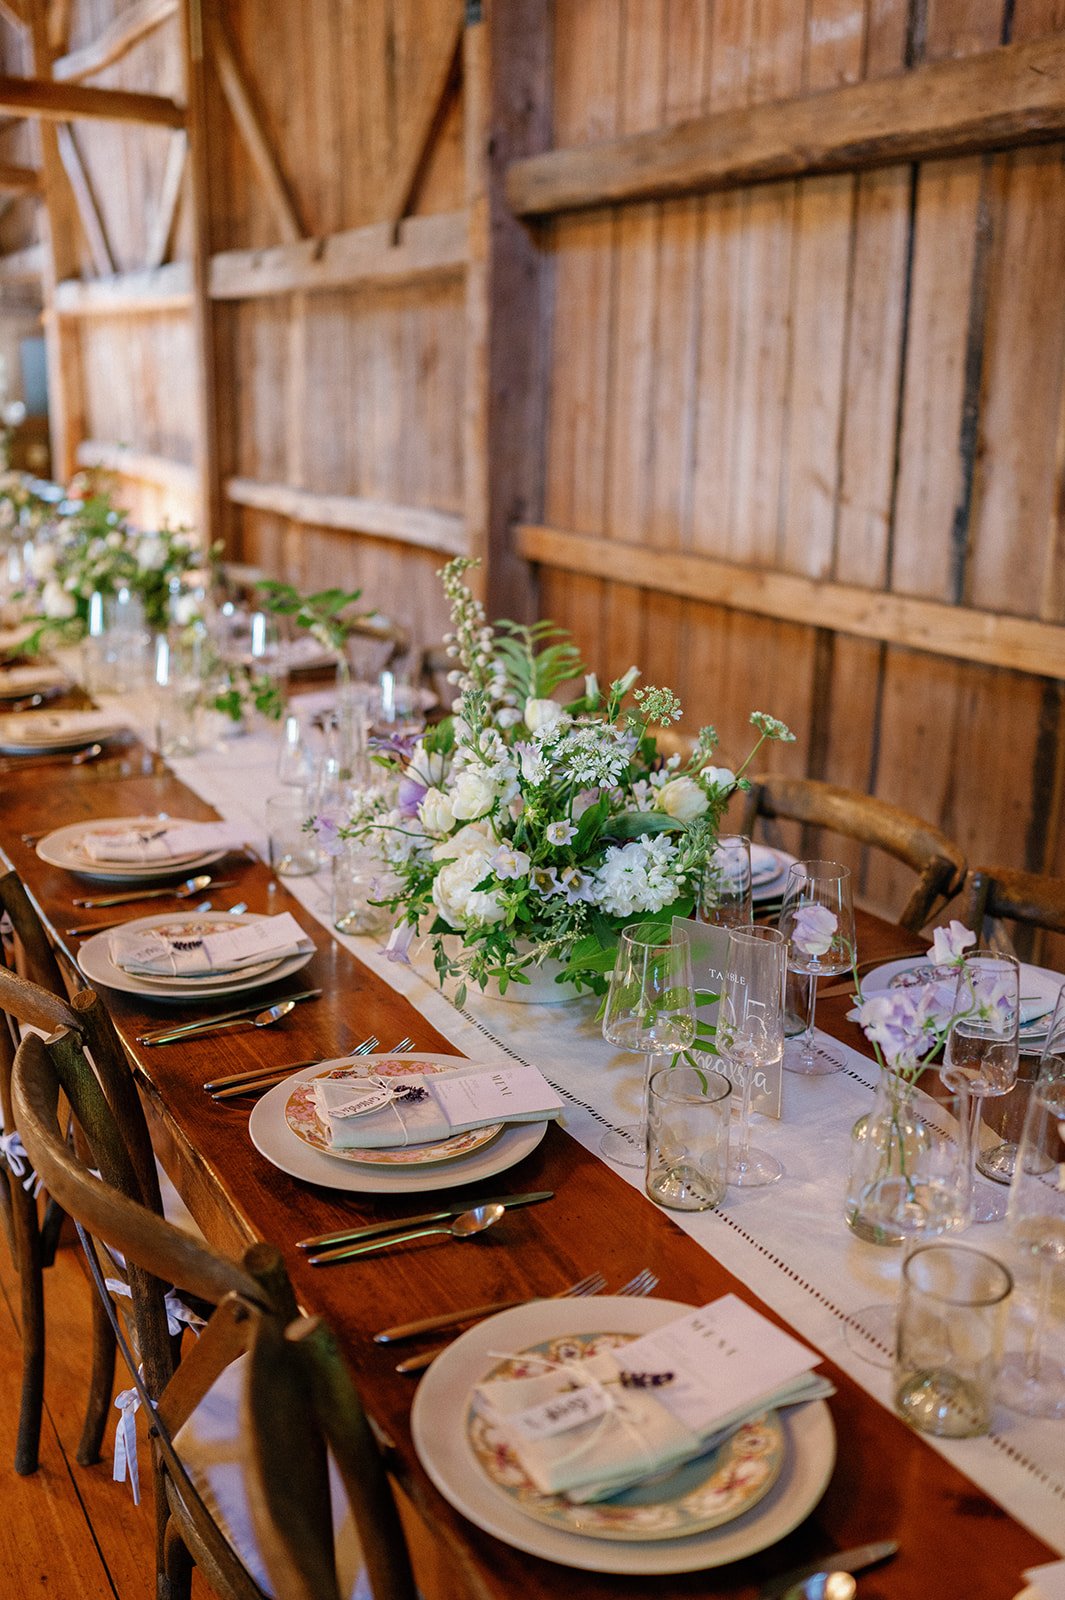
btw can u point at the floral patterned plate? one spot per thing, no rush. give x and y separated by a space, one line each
701 1494
302 1117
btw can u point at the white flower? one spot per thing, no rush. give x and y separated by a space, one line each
719 777
637 877
682 799
949 944
473 794
559 833
435 812
185 609
56 602
510 863
508 716
151 553
533 765
542 715
42 561
428 767
455 892
473 838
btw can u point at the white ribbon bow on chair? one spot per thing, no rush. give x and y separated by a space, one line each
18 1161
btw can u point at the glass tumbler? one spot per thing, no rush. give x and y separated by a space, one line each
293 846
949 1339
687 1137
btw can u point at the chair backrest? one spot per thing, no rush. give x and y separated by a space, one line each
938 862
254 1304
994 894
39 959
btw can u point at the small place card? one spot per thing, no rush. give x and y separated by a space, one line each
724 1358
490 1096
562 1412
251 939
709 951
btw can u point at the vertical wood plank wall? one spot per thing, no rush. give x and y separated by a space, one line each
853 378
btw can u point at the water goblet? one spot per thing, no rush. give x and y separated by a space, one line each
1033 1380
725 889
295 761
750 1035
817 919
982 1053
650 1009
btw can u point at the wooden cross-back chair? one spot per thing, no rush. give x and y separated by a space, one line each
1006 894
33 1237
242 1426
936 859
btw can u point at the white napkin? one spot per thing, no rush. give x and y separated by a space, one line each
765 863
220 948
45 728
424 1108
160 841
31 679
1048 1581
717 1367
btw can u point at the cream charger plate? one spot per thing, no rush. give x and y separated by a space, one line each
94 961
1039 986
440 1426
63 848
274 1139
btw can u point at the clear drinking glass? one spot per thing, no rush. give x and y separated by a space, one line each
817 919
687 1136
725 889
293 847
750 1035
1033 1380
650 1008
982 1053
295 760
949 1339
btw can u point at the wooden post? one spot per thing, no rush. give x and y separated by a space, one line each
193 26
506 53
59 235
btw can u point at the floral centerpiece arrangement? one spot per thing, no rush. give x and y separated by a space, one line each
90 548
527 831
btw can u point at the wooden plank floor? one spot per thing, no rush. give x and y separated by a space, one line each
67 1530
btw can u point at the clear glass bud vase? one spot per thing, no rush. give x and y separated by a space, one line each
356 883
896 1188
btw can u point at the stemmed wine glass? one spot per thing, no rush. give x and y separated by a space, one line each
725 890
1034 1381
750 1034
817 919
982 1053
650 1007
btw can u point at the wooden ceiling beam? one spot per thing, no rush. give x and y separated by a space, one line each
117 39
999 99
66 102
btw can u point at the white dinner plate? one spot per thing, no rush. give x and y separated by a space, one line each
766 886
39 732
1034 981
439 1427
94 961
274 1139
62 848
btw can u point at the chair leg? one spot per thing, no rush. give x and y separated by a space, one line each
174 1570
101 1385
51 1227
31 1319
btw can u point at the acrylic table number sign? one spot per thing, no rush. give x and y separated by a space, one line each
709 953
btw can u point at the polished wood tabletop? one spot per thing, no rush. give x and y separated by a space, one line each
888 1482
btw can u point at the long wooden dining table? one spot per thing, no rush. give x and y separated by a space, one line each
955 1541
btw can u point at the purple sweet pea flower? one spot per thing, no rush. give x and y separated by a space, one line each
410 795
950 944
328 834
399 942
813 929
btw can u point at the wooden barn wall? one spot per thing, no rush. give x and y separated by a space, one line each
855 377
850 382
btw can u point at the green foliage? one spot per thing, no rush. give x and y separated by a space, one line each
319 613
536 666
